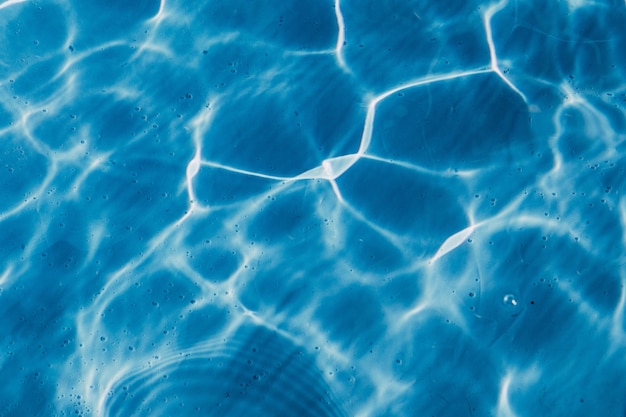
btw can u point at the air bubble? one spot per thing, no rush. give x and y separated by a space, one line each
511 302
509 299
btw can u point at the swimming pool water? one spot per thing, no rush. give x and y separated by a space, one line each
312 208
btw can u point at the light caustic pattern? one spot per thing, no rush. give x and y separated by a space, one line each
312 208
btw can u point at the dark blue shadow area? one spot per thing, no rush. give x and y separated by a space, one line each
256 371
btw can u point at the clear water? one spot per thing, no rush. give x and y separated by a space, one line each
308 208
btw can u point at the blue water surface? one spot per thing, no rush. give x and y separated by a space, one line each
312 208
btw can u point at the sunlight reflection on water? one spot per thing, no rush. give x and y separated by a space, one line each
321 208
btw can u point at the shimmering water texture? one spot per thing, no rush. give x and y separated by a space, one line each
308 208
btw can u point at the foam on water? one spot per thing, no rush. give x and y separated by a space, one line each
328 208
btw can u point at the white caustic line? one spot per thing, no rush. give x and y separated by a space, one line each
487 16
10 3
193 167
341 37
453 242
